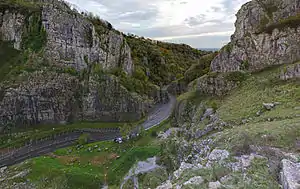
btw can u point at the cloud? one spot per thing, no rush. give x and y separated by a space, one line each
175 20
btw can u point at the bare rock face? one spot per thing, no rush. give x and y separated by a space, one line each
110 101
11 27
73 41
71 38
214 85
267 33
43 97
290 175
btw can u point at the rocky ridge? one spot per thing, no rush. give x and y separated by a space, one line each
267 34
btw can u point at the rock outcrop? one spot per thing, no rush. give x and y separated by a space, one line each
217 84
290 175
291 72
267 33
11 27
40 98
73 41
110 101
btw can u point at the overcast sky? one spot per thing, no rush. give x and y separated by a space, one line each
199 23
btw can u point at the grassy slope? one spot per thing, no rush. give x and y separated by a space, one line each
263 87
277 128
84 169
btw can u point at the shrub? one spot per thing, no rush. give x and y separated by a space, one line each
227 48
244 146
245 65
154 134
35 36
292 22
236 76
83 139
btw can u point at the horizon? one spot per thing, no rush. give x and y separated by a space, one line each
206 25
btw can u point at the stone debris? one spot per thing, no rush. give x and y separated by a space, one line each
166 185
194 181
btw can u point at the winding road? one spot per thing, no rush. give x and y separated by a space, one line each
159 114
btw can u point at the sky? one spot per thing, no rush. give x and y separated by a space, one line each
198 23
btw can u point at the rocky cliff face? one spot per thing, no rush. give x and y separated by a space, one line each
64 72
71 38
73 41
267 33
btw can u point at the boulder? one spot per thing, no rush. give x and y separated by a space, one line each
290 174
214 185
269 106
218 155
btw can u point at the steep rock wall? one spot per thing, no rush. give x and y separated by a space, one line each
267 33
73 41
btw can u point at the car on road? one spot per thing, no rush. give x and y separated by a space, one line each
118 140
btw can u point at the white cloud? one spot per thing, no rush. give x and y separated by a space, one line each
179 20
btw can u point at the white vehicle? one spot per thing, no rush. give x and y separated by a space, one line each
119 140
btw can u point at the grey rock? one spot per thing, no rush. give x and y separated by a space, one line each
208 112
225 179
185 166
253 46
214 185
218 155
214 85
3 169
194 181
166 185
259 113
290 174
291 72
11 27
269 106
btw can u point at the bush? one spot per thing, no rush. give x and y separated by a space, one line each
243 147
236 76
154 134
35 36
83 139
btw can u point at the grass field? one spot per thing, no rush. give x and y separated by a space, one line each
93 164
264 87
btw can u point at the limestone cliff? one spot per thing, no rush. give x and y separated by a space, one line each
58 66
71 38
267 33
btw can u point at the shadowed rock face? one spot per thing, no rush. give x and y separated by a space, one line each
42 97
267 33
